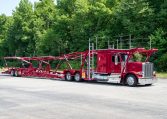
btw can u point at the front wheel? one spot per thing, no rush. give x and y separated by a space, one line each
131 80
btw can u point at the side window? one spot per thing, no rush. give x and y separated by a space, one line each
114 56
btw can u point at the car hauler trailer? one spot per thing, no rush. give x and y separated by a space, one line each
103 65
27 69
26 66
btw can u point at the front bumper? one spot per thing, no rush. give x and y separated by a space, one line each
145 81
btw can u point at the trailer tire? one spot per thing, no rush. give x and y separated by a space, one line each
68 76
12 72
77 77
131 80
17 73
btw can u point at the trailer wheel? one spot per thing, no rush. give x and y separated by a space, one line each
131 80
77 77
12 72
68 76
17 73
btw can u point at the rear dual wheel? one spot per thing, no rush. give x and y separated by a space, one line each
77 77
69 77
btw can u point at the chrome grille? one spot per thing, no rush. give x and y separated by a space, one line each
147 69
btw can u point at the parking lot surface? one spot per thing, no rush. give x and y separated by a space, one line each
33 98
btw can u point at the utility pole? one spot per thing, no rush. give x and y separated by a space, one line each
117 43
81 58
92 56
150 44
121 42
96 42
109 46
130 45
89 60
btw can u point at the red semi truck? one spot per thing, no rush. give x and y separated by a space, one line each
117 66
125 66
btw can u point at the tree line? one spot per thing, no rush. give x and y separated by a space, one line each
46 28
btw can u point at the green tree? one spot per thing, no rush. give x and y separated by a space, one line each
20 36
159 40
45 12
133 17
78 20
50 29
162 15
59 35
5 23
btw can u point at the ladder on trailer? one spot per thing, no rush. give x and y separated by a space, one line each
90 66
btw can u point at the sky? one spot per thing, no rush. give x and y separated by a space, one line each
7 6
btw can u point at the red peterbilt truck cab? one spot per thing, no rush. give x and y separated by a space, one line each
131 66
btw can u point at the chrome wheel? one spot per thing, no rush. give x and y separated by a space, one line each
131 80
68 76
16 73
77 77
12 73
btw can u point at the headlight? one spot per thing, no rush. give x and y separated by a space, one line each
140 73
154 73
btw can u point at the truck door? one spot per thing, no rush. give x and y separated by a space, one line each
116 63
101 63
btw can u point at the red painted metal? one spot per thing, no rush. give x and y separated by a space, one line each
105 63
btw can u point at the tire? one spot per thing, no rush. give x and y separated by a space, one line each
131 80
17 73
148 85
68 76
77 77
12 72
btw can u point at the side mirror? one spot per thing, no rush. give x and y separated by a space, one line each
116 59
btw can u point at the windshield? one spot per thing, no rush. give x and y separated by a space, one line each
138 57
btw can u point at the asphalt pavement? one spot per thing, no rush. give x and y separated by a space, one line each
34 98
